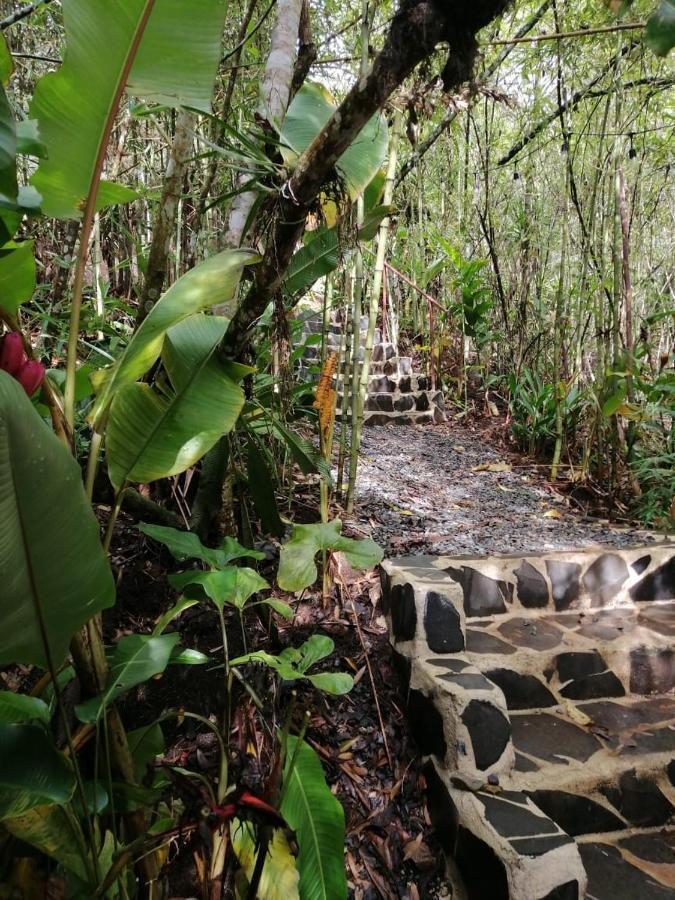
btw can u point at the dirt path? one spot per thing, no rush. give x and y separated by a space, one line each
449 490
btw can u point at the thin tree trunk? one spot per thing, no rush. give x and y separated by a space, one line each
164 227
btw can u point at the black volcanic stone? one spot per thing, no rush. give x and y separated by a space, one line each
567 891
452 665
593 687
522 691
523 764
405 403
442 810
604 577
402 667
442 624
471 681
658 585
576 665
652 670
537 846
382 402
564 581
639 565
549 738
426 724
481 869
404 384
489 731
423 383
403 612
483 596
671 772
532 586
422 403
532 633
651 847
576 814
514 820
639 800
612 877
479 642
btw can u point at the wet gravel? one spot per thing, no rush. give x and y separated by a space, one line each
420 491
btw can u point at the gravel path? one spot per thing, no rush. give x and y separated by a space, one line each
420 491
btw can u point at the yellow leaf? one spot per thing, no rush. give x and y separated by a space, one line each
552 514
280 876
493 467
576 715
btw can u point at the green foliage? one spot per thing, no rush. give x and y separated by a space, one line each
135 659
318 820
308 112
185 545
532 408
73 106
33 772
53 572
292 664
660 31
297 569
214 281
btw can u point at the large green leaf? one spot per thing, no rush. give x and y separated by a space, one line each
17 275
8 185
308 112
175 63
33 772
213 281
151 437
137 658
52 566
186 545
50 830
22 708
297 569
232 586
318 821
318 257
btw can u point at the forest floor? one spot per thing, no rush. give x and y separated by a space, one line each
450 489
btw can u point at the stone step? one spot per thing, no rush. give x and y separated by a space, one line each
542 760
433 417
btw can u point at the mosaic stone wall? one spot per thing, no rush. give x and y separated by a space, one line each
540 689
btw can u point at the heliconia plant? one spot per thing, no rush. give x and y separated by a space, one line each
28 372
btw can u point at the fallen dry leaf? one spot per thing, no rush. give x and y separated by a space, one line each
492 467
552 514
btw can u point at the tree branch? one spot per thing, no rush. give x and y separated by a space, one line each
574 101
423 147
415 31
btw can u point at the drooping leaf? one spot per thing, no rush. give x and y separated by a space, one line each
186 545
151 437
49 829
6 61
308 112
175 62
137 658
213 281
144 745
51 561
17 275
232 586
297 568
33 772
660 30
8 183
21 708
318 821
279 880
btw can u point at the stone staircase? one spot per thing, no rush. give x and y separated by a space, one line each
540 690
396 394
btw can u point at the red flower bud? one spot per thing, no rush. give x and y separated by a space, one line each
12 356
30 376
